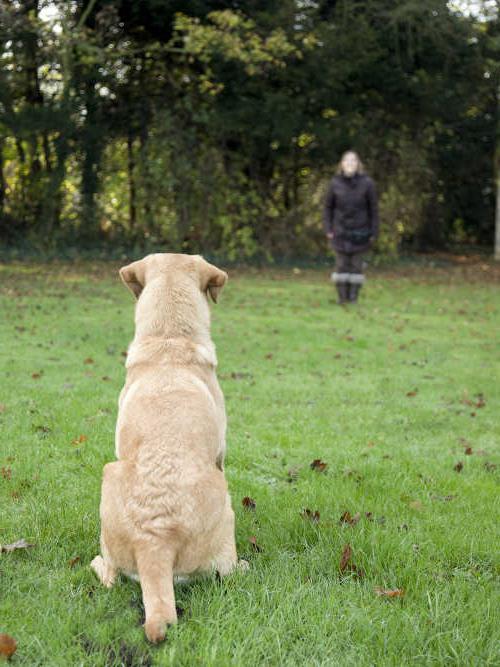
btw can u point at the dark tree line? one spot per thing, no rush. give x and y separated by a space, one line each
213 126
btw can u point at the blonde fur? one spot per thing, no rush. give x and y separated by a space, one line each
165 508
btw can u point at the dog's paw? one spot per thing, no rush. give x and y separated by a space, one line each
156 627
242 565
156 631
105 574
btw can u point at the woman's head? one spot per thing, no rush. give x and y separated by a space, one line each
350 164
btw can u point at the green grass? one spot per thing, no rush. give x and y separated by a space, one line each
303 379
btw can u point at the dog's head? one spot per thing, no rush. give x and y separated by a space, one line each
176 268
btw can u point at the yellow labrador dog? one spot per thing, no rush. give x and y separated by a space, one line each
165 508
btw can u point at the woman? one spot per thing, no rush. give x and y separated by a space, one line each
351 223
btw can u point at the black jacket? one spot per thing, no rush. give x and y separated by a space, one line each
351 213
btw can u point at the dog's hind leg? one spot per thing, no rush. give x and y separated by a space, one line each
155 567
113 526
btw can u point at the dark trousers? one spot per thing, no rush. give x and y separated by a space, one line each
348 268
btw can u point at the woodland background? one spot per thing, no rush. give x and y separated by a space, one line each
213 127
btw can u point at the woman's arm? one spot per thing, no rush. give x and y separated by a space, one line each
328 210
373 208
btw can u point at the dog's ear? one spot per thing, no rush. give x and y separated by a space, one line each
134 277
212 279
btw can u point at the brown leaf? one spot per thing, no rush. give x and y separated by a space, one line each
318 465
105 378
6 473
312 515
468 451
411 394
36 376
74 561
389 593
345 559
78 441
458 467
20 544
88 360
347 564
351 520
8 646
248 503
253 542
480 402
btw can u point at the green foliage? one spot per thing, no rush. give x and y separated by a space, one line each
210 130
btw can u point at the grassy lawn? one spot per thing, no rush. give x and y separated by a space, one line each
390 395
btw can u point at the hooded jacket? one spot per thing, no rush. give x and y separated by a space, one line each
351 213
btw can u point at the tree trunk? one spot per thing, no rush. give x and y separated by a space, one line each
92 143
2 180
497 217
132 192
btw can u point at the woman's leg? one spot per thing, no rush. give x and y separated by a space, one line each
340 277
356 276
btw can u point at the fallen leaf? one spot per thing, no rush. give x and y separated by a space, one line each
248 503
20 544
480 402
312 515
74 561
253 542
8 646
36 376
416 504
88 360
390 593
269 355
458 467
318 465
347 564
346 557
351 520
79 440
6 473
105 378
468 451
445 499
411 394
